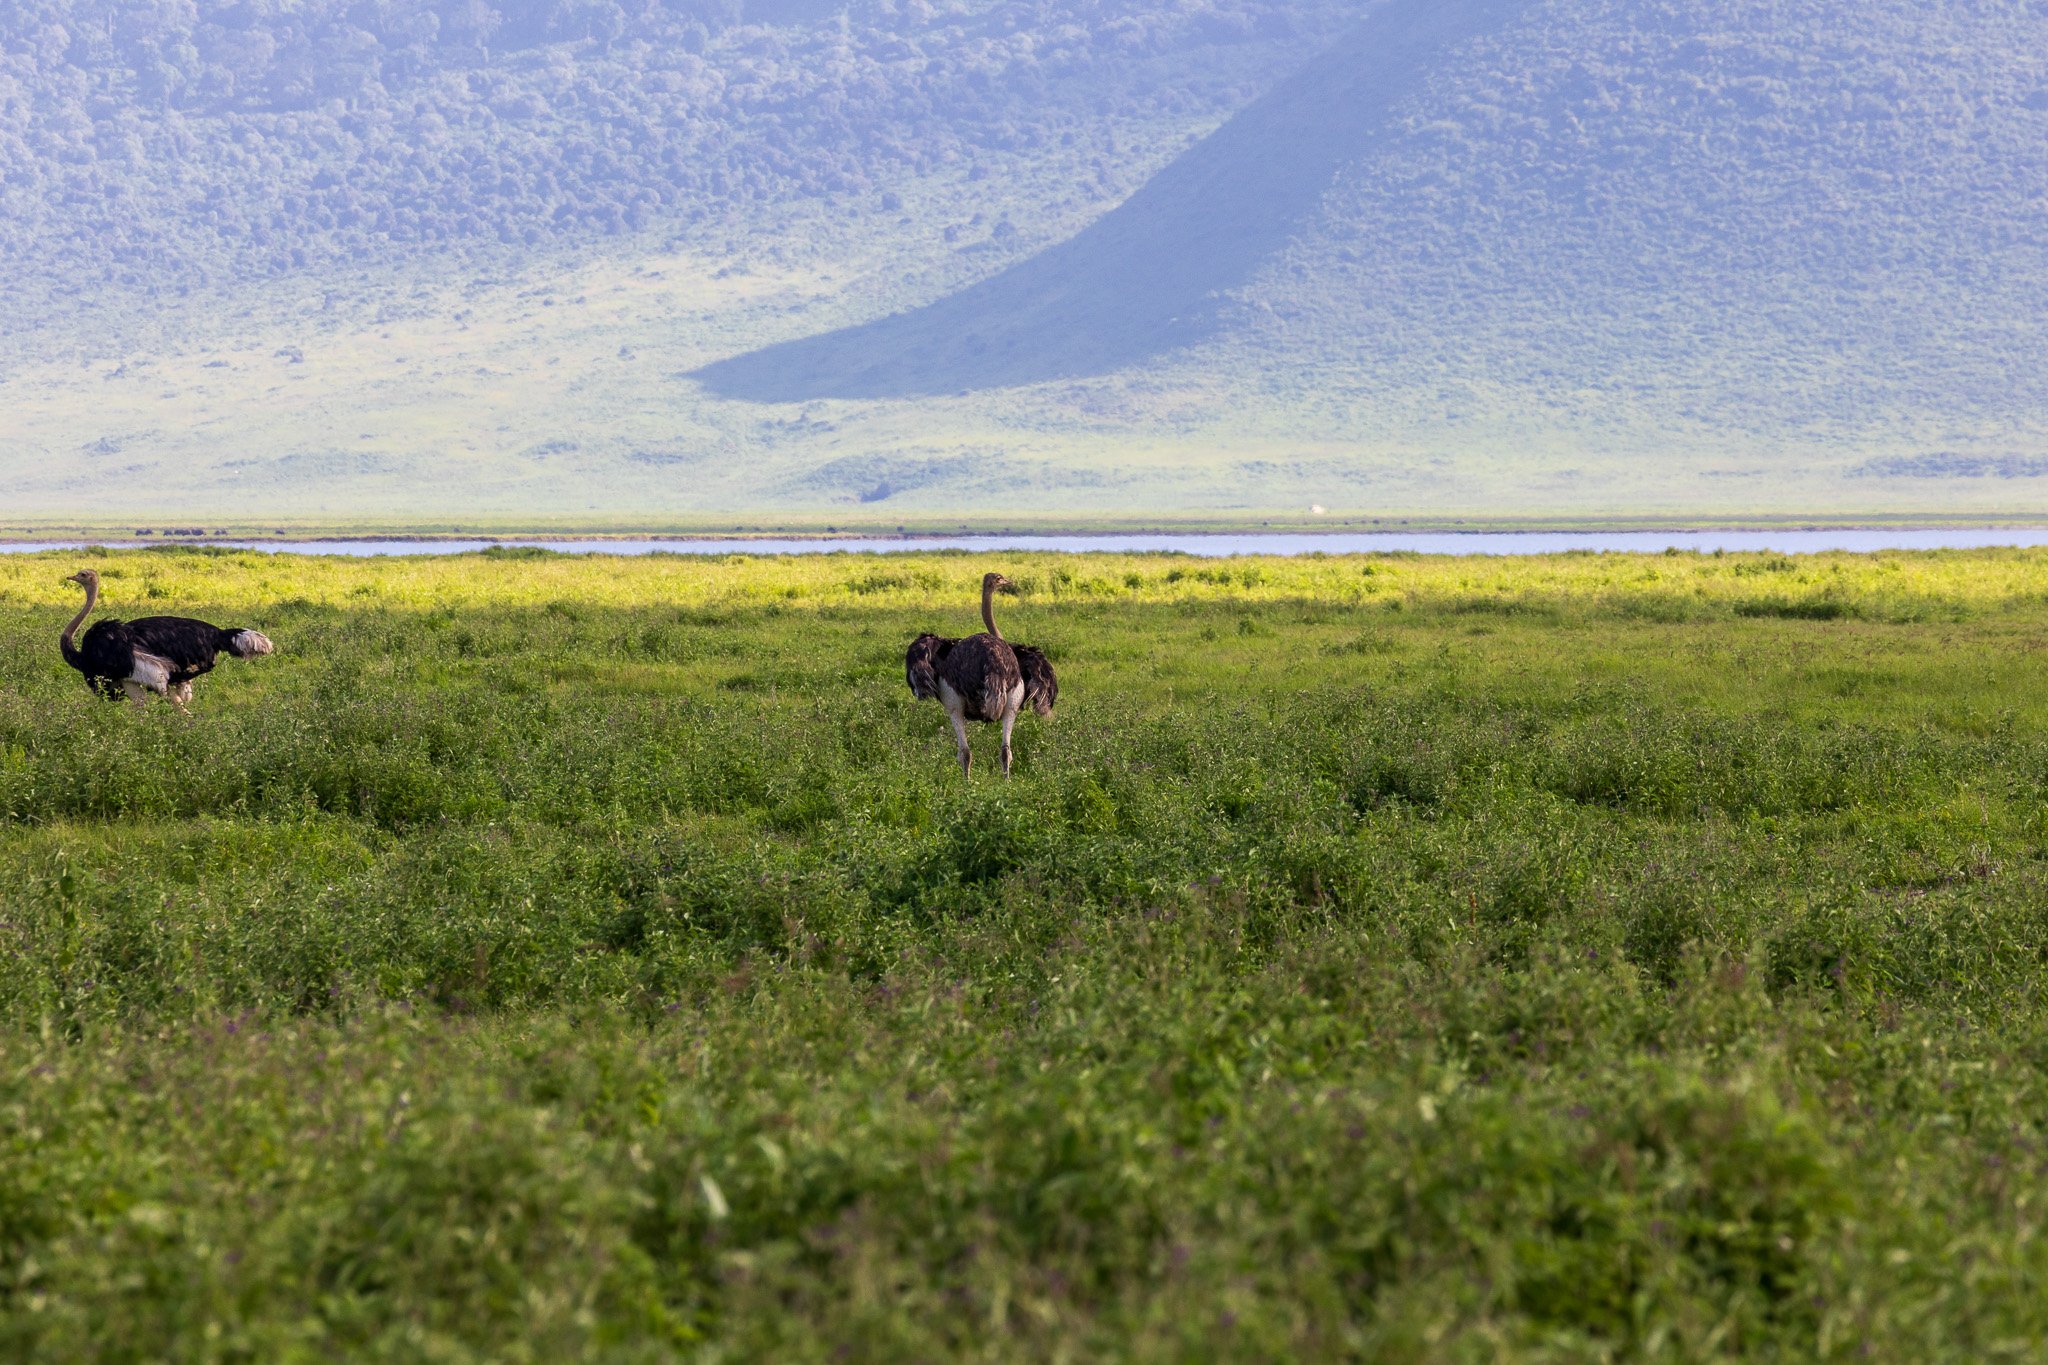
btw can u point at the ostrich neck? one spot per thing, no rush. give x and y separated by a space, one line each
92 595
988 609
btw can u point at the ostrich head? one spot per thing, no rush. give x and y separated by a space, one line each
85 578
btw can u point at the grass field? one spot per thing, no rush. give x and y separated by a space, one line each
1381 958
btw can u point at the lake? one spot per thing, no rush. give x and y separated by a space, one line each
1191 543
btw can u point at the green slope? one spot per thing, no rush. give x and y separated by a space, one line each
1624 228
1554 258
1151 276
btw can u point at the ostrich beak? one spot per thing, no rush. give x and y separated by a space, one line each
1007 588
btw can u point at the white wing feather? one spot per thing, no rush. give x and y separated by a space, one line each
151 670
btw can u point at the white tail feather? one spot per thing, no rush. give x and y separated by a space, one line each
247 644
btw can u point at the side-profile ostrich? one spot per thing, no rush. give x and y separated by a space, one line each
983 677
160 654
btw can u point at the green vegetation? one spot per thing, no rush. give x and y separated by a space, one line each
1394 958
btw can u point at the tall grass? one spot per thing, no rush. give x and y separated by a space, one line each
1389 957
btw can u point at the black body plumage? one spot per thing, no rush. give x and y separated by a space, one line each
192 647
106 656
981 670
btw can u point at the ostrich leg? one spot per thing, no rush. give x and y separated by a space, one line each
1009 719
960 733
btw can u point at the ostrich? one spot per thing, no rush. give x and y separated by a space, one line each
160 654
983 677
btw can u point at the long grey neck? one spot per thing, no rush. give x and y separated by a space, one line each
92 595
988 609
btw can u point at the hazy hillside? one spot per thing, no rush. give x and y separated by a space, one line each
163 143
1790 220
1151 276
1800 213
896 262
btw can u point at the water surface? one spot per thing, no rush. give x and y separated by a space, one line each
1191 543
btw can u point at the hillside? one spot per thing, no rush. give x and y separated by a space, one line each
894 263
171 144
1807 217
1776 221
1152 276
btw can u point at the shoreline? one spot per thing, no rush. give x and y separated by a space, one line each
74 534
1205 544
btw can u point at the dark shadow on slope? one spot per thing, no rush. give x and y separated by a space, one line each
1147 277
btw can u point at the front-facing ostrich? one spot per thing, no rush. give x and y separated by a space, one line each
160 654
983 677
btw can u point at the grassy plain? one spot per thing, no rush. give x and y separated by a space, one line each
1632 957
